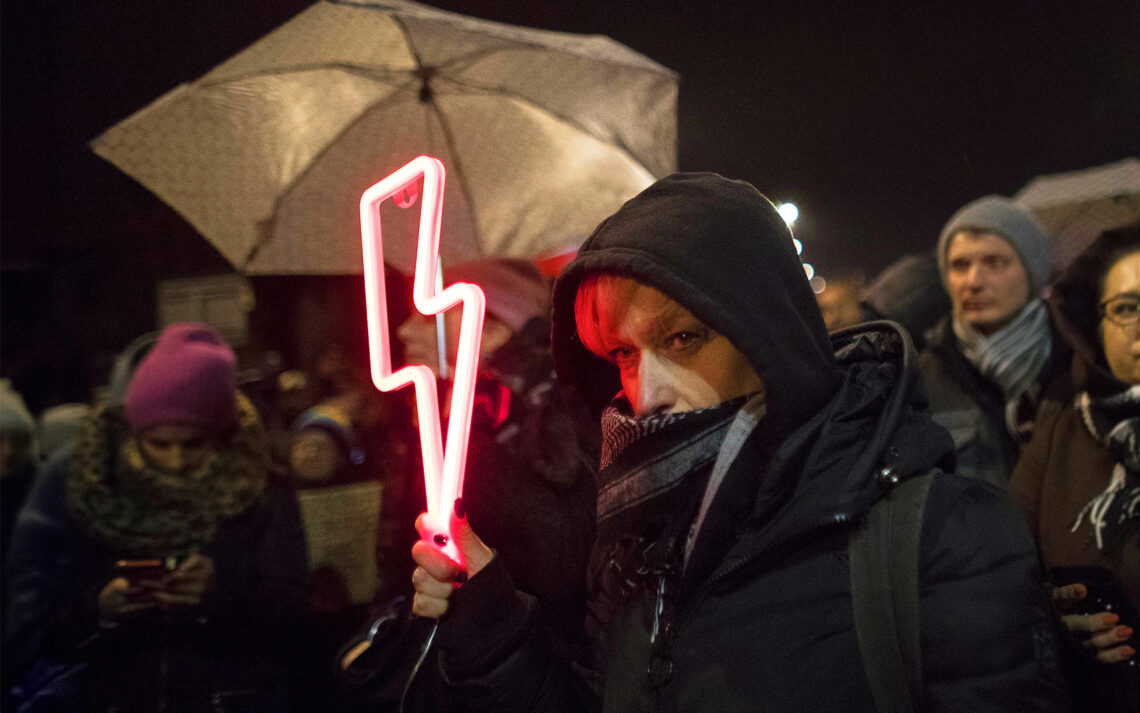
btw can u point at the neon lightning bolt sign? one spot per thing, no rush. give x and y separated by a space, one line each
443 468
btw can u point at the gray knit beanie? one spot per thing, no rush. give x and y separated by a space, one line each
1008 220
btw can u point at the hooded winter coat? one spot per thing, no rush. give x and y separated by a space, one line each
1064 467
766 623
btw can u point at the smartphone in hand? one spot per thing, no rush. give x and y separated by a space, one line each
148 570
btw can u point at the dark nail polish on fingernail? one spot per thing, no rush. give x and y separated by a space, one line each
1111 619
1123 632
460 510
440 540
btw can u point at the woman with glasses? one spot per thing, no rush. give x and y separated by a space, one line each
1078 480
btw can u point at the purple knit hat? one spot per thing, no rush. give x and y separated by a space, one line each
188 377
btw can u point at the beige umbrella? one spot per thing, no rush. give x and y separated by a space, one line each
1078 206
543 134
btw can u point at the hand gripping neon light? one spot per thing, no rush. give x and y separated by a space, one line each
443 468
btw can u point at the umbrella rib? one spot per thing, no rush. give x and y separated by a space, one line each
616 141
374 74
267 232
448 136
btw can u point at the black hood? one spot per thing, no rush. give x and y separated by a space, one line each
1075 304
719 248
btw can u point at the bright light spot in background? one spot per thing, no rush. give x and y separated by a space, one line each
799 246
809 270
789 212
818 284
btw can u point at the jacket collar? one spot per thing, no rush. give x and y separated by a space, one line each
829 472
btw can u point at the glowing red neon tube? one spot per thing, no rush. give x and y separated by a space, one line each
443 467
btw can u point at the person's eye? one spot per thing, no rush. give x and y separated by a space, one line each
1124 307
959 265
997 263
621 355
684 340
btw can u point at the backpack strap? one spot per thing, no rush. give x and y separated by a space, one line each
884 595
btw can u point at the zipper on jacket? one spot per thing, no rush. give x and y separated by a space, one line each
658 609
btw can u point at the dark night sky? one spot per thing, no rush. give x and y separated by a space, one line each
877 119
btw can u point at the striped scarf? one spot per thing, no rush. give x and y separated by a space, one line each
1114 422
1011 358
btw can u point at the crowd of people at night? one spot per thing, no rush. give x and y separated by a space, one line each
693 484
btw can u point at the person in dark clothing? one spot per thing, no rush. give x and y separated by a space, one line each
527 486
156 566
742 450
985 363
1078 481
339 494
908 291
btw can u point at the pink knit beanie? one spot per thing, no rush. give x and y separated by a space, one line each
188 377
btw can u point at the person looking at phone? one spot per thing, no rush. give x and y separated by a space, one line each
1078 481
156 562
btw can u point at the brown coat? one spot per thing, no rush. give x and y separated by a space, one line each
1060 471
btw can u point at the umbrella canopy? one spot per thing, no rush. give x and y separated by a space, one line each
1076 207
543 134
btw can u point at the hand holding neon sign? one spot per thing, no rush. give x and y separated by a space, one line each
443 468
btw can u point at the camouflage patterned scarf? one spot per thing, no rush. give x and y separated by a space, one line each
116 497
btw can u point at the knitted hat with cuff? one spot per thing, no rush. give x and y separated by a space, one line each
14 414
189 377
1011 222
330 419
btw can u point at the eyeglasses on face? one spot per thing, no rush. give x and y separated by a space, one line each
1122 310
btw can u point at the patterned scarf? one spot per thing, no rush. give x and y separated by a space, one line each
1012 358
1114 421
655 470
136 511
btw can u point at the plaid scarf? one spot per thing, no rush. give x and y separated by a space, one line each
649 461
1114 422
1011 358
116 497
655 470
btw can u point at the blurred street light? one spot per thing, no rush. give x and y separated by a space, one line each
789 212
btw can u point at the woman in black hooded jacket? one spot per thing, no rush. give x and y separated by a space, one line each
719 578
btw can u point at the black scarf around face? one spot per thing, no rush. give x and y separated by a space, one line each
654 472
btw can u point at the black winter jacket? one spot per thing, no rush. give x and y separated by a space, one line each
771 628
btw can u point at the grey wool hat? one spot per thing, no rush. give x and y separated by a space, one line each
1011 221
